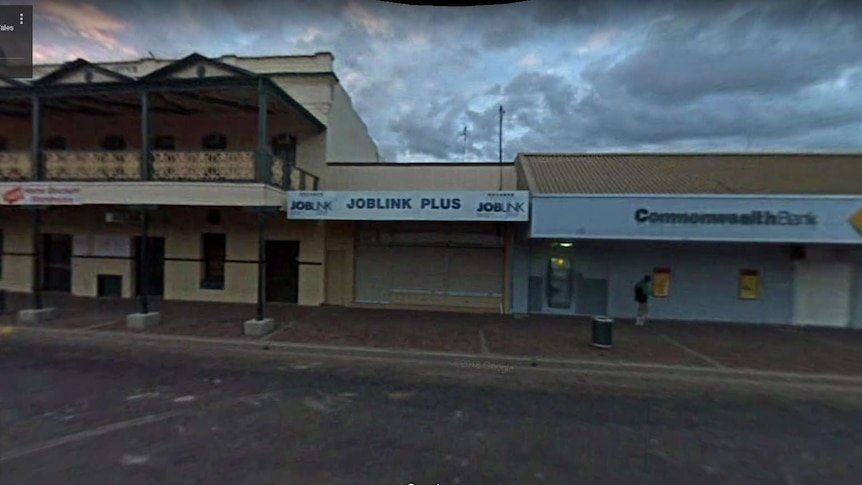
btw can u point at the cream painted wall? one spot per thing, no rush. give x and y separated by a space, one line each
182 230
17 250
340 237
348 139
420 177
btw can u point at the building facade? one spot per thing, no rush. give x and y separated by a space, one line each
173 177
725 238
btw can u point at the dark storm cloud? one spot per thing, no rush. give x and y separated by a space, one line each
767 50
572 76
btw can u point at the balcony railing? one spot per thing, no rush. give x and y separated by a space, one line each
92 165
298 179
178 166
220 165
15 165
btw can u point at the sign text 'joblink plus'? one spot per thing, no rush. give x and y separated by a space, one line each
441 206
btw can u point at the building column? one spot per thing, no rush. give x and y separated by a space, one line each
144 318
261 325
261 263
36 139
146 137
38 313
263 159
38 256
144 276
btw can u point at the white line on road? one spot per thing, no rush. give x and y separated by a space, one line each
693 352
104 324
110 428
270 335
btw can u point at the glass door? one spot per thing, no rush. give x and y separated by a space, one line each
559 284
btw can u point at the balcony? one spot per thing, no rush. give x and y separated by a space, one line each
92 165
165 166
15 165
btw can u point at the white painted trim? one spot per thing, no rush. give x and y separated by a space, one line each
570 237
700 196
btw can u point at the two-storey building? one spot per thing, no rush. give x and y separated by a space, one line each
173 177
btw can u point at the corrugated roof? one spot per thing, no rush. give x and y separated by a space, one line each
695 173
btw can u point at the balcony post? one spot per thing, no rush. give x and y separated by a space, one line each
262 159
146 138
261 262
38 256
36 171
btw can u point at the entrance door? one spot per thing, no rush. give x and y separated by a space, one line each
156 264
57 264
822 293
282 271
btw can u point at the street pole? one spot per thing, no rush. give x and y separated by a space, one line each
501 146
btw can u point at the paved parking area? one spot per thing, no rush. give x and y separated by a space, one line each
75 417
709 345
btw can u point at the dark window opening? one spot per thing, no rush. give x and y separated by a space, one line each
213 217
214 255
164 142
4 144
56 143
114 142
214 141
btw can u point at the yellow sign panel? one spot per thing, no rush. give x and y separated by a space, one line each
749 285
661 283
856 221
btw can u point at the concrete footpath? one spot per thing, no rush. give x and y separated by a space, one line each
506 370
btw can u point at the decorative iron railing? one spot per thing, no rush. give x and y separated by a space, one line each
179 165
297 178
92 165
15 165
207 165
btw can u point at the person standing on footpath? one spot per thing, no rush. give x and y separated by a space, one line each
643 290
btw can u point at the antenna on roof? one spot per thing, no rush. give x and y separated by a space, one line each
464 134
501 146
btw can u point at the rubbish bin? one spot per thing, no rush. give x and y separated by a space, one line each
603 332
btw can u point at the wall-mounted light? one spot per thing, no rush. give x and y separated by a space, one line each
566 245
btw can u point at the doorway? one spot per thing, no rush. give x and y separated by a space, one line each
822 293
282 271
156 263
57 265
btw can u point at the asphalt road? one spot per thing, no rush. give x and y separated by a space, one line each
81 417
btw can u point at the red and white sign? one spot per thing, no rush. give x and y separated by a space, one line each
41 195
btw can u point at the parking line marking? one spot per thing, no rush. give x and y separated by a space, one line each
693 352
105 324
113 427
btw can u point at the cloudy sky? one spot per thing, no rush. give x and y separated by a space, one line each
586 75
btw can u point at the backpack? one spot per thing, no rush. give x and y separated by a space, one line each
640 294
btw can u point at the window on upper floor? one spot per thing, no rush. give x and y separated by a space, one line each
214 141
164 142
56 143
113 142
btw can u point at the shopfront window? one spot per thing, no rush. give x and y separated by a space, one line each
214 255
559 283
